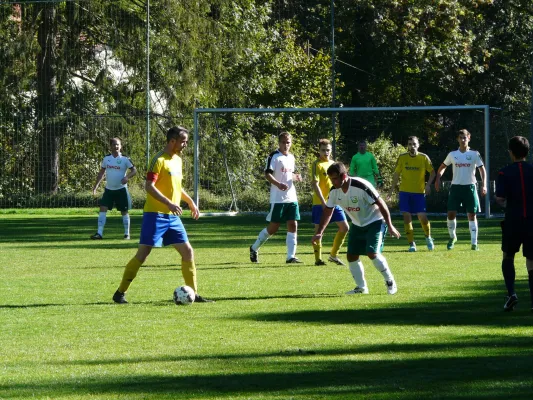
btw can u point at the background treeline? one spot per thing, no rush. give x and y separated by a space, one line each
75 73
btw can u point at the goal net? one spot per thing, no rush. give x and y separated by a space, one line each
231 147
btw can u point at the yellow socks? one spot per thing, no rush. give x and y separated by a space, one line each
409 232
426 228
129 274
317 249
188 270
337 243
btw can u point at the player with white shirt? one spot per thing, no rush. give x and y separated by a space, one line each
371 220
115 168
279 171
463 190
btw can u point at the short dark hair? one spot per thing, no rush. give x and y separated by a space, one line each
175 132
519 146
413 138
463 131
284 134
324 142
337 168
115 138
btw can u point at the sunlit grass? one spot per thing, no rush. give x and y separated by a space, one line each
276 331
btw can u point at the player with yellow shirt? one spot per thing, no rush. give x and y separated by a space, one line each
161 223
412 168
321 185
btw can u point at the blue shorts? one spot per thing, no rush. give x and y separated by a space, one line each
162 229
338 214
412 203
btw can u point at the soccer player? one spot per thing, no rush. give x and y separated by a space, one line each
284 207
321 186
161 223
370 218
514 191
463 189
115 167
364 165
412 167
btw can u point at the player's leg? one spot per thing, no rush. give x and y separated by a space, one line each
342 224
374 247
317 212
454 201
511 241
124 205
472 206
291 214
176 236
273 218
405 209
153 227
356 247
106 203
426 227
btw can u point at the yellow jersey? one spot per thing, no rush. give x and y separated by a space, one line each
412 171
319 173
165 170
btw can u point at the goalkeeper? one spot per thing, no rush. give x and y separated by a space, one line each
364 165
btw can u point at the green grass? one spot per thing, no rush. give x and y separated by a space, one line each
276 331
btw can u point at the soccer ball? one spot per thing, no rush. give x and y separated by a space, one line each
184 296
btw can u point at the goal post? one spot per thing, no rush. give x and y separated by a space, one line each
318 114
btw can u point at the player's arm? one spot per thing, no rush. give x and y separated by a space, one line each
500 189
99 179
375 170
129 175
324 221
353 166
483 175
394 185
195 212
150 188
439 174
386 216
318 192
429 182
269 177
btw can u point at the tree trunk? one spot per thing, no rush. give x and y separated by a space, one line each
47 168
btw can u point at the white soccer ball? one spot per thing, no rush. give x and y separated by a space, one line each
184 296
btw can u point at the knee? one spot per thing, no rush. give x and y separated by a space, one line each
352 257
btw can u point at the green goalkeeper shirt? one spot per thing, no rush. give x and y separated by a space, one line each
364 166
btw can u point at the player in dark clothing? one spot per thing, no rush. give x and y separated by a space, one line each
514 191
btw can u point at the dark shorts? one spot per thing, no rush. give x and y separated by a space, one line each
516 234
465 195
119 198
412 203
162 229
283 212
337 216
367 239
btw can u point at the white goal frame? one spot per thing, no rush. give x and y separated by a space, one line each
484 108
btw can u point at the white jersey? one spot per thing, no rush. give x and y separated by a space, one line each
116 168
464 166
281 167
359 202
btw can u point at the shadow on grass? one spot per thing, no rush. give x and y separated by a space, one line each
482 377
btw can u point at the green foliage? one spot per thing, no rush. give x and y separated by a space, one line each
386 153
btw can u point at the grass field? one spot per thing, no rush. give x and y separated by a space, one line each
276 331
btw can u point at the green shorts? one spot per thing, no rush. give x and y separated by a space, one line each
367 239
283 212
119 198
465 195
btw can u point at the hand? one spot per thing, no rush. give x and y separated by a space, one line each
483 191
94 192
124 180
394 232
175 209
379 182
282 186
316 239
428 189
195 212
297 177
437 185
